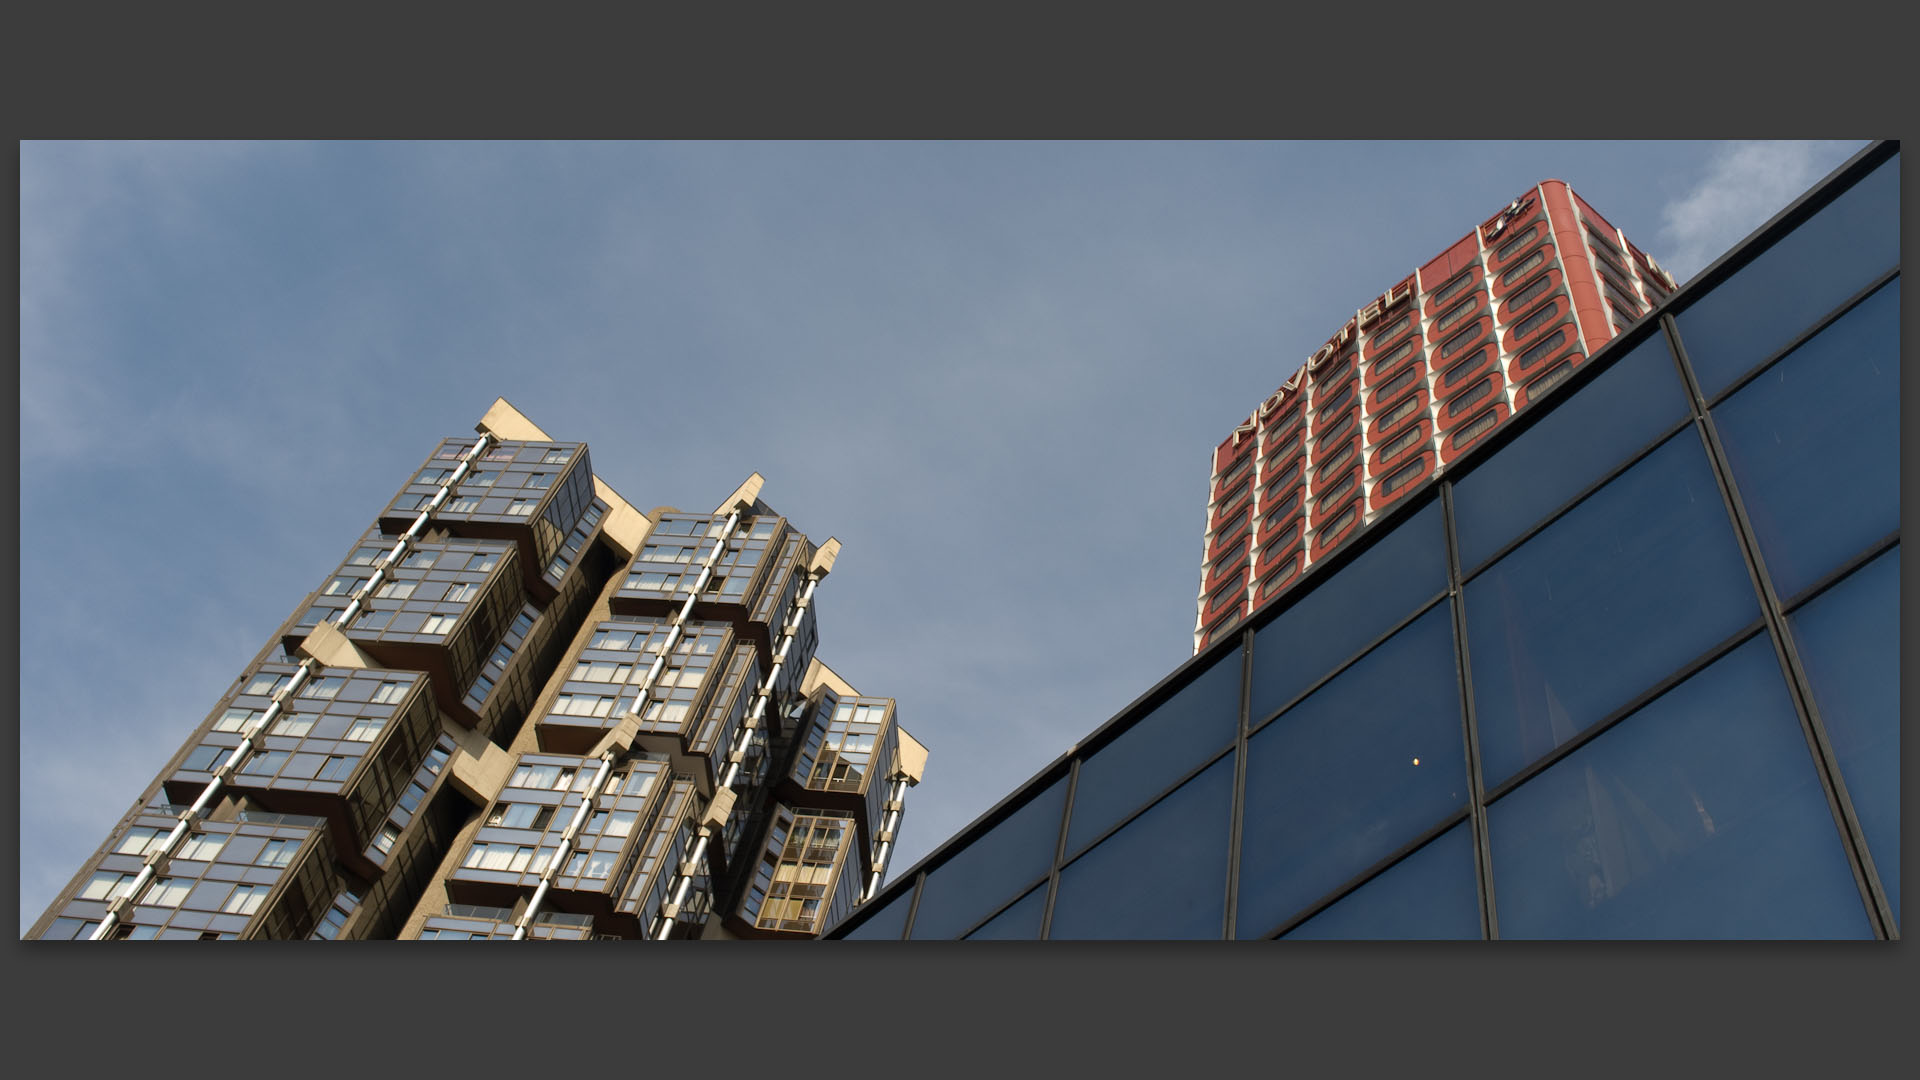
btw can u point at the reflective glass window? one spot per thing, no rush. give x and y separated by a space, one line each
886 923
1809 272
1021 922
1568 449
1170 741
1699 816
1339 616
985 874
1163 876
1849 644
1352 773
1814 444
1641 577
1427 896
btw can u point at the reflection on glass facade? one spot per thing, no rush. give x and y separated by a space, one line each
480 727
1628 669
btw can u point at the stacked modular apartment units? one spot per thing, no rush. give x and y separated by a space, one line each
1412 381
1628 669
521 709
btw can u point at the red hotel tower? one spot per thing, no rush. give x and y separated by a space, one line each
1414 378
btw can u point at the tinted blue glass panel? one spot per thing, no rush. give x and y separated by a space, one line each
1163 876
1021 922
1849 641
1699 816
1811 271
1358 604
1814 444
1346 777
1641 577
1169 742
1567 450
887 923
988 872
1427 896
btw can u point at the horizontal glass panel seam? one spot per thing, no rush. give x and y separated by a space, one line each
1640 701
1149 804
1539 526
1839 573
1334 673
1805 336
1341 891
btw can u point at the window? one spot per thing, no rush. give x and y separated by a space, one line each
1535 321
1401 476
277 853
365 728
205 758
1513 272
167 892
264 762
387 837
1514 244
1383 364
389 692
556 457
341 586
1400 411
1334 399
1399 443
395 590
1234 471
1461 340
1455 284
1160 876
1396 384
612 639
1554 376
265 684
137 840
246 899
1278 578
601 671
539 480
484 561
1333 528
1336 429
336 767
365 556
1540 349
1533 291
520 508
235 719
325 686
1469 397
1338 459
1338 490
1465 369
1232 588
996 867
461 593
1387 333
1466 434
438 625
462 504
521 815
294 725
1456 313
106 885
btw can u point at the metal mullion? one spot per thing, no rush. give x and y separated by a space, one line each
1805 336
1840 573
1469 726
913 904
1827 766
1340 668
1019 894
1238 813
1581 496
1380 866
1059 849
1149 803
1640 701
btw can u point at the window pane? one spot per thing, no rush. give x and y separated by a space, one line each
1849 639
886 923
1626 588
1021 922
1754 313
1163 876
1814 444
986 873
1427 896
1697 817
1358 769
1196 723
1358 604
1568 449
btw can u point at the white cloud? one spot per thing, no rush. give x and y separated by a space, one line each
1745 184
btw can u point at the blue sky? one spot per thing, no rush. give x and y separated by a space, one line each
994 371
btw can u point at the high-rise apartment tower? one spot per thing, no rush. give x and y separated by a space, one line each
1411 381
521 708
